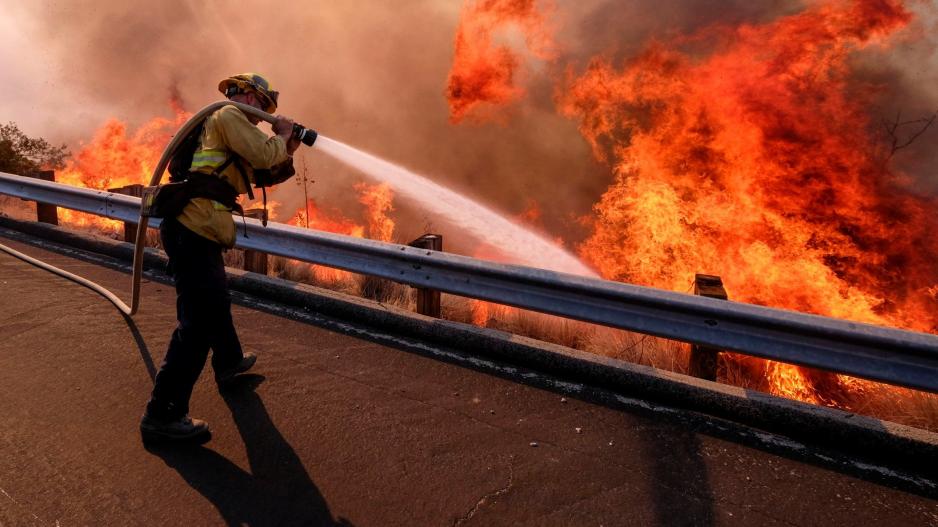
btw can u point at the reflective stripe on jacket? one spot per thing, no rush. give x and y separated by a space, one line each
228 132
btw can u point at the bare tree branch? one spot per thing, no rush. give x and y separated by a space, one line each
893 134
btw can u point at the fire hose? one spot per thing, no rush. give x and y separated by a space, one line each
305 135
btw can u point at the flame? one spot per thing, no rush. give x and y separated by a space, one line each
377 201
480 312
115 158
331 221
746 152
483 71
532 215
486 314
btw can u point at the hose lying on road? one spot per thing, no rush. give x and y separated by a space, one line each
140 241
73 277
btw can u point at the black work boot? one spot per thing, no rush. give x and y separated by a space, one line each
183 429
225 377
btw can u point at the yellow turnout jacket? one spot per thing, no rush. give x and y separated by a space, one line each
226 133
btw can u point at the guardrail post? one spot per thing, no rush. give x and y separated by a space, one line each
130 229
703 359
254 261
44 212
428 300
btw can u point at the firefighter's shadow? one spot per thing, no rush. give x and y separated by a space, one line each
142 347
276 491
682 493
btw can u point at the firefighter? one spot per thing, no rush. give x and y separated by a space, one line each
232 148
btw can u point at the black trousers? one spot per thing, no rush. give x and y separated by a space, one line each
203 309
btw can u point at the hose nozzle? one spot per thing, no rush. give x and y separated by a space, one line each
307 136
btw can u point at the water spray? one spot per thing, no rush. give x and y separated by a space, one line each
475 219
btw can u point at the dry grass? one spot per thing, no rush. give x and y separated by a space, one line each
638 348
17 209
538 326
892 403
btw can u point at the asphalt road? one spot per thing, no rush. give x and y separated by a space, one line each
336 430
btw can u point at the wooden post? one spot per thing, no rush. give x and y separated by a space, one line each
130 229
703 359
254 261
44 212
428 300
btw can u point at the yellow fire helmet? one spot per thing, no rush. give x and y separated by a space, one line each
251 83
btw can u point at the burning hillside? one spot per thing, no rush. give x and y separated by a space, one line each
750 152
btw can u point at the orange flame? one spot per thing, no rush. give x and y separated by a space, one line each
532 215
746 152
480 312
332 221
115 159
483 71
377 202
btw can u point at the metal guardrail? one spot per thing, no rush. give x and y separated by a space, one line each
893 356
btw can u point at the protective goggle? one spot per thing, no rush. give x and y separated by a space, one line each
268 97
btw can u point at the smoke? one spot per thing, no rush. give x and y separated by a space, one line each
906 76
618 30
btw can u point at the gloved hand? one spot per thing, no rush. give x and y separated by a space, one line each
283 127
292 144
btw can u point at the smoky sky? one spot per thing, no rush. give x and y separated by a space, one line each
368 73
619 29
